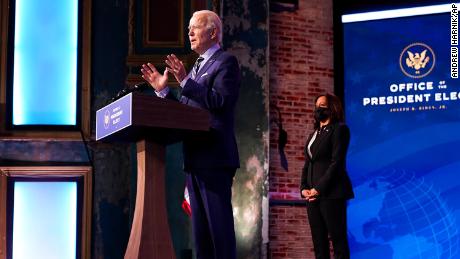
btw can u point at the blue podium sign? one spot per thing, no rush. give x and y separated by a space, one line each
153 123
114 117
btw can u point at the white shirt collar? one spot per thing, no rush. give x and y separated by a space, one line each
208 53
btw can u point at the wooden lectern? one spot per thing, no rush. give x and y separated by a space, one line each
153 123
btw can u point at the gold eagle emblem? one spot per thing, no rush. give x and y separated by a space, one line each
417 60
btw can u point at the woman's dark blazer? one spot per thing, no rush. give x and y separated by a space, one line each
326 169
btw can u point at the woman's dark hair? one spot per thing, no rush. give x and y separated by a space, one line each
335 106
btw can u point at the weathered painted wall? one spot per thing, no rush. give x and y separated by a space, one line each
112 162
246 36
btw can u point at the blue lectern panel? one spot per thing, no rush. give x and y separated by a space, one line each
45 62
403 109
114 116
44 220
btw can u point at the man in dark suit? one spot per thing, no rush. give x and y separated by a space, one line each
210 159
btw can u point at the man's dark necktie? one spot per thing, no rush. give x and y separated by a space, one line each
196 67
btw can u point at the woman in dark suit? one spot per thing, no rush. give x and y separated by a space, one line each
325 183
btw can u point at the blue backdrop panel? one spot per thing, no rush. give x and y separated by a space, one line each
45 220
45 62
404 156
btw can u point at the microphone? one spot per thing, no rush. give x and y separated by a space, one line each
126 90
141 87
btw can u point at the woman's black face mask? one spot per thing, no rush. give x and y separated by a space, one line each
322 113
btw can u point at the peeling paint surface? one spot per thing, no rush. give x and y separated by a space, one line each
246 37
26 151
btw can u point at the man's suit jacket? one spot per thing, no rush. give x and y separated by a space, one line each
216 89
325 170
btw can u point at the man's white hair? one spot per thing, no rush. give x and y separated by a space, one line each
212 21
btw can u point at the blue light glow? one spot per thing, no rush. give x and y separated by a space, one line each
396 13
45 62
403 156
45 220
